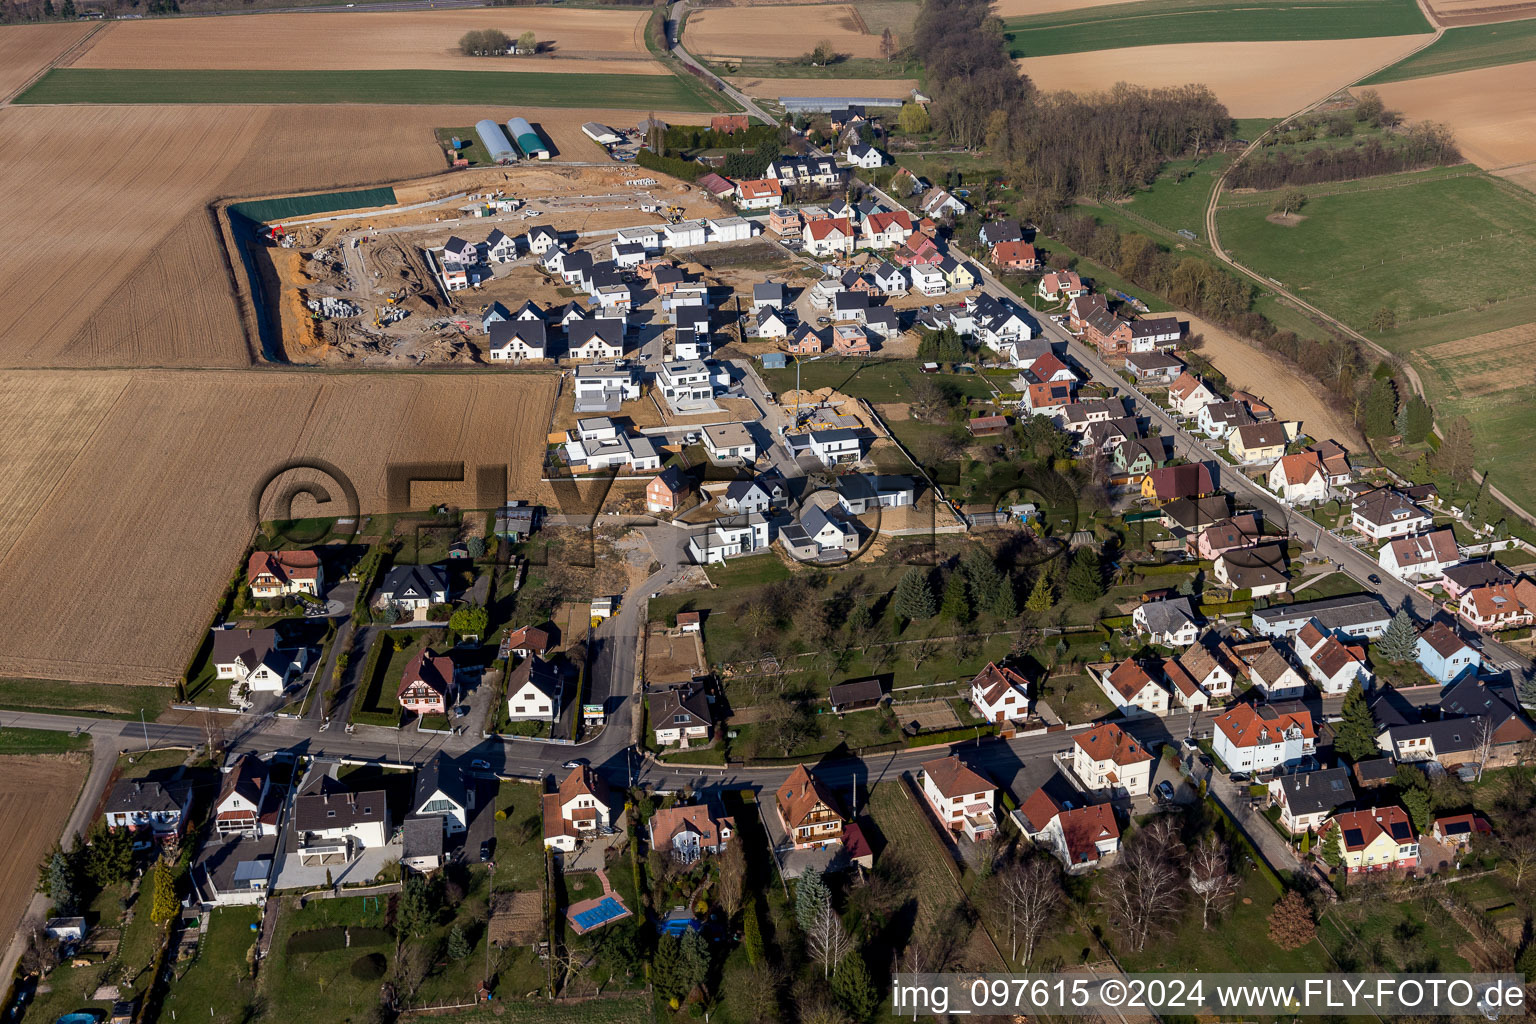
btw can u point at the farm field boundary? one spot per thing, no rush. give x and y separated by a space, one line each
1154 22
488 88
1499 134
1465 49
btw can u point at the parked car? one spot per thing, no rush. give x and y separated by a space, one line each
1375 580
485 850
575 762
1205 759
483 766
1240 776
1165 791
1190 744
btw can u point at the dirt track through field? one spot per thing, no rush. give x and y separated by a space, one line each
27 49
894 88
37 794
606 40
162 481
1293 398
1267 79
1491 110
777 31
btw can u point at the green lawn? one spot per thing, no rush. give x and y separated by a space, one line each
480 88
519 853
98 700
853 67
1394 936
319 986
474 152
1177 199
377 702
70 988
737 572
1462 49
887 380
1151 22
40 741
217 985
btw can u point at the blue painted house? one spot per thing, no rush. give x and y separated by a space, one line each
1445 656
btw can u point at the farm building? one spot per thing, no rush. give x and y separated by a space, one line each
495 142
601 134
527 139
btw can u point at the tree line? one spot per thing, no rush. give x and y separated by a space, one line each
1057 145
1423 145
493 42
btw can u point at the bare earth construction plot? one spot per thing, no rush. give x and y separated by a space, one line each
1253 79
166 482
368 40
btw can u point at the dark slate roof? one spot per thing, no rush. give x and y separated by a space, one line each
441 775
414 581
666 704
423 837
1311 792
530 332
143 795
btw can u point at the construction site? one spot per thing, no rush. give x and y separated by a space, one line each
362 285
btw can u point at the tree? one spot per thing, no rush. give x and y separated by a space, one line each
914 595
693 961
417 907
469 621
1413 420
1032 897
164 904
1384 319
1042 595
1291 200
730 889
67 11
60 882
985 580
110 858
1333 848
1290 922
1085 580
752 934
854 988
1400 643
1210 877
666 969
1380 408
913 119
476 546
887 44
458 945
527 42
413 962
1143 892
826 940
1416 802
810 896
484 42
1456 450
1005 604
825 53
1355 735
957 599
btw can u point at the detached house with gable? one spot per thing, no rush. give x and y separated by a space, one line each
829 236
280 573
681 715
245 805
810 815
1253 740
960 798
534 691
1189 394
253 658
1131 689
1384 513
1299 479
1000 694
1106 759
427 687
1422 556
689 832
1374 839
580 809
1055 818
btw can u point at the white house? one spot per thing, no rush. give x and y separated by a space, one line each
890 279
1422 556
541 239
331 819
500 247
597 444
646 237
1384 513
684 233
534 690
605 385
1251 740
580 809
252 657
727 538
152 810
1000 694
413 588
516 340
681 715
729 442
729 229
960 798
689 345
1106 759
1333 665
1131 689
763 194
829 236
1306 799
1271 672
1218 419
887 230
1299 479
860 155
595 339
443 791
816 535
843 444
1444 655
771 323
241 806
1055 818
927 279
1189 394
1170 623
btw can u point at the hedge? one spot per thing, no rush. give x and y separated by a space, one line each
688 136
688 170
1226 608
1117 621
1166 569
1238 841
925 739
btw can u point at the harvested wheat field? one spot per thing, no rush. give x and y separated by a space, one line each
1267 79
1291 396
372 41
1491 110
875 88
27 49
37 797
1479 12
778 31
167 478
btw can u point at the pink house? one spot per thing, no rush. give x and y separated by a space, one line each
1228 535
427 686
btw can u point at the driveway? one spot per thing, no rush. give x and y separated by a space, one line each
1234 799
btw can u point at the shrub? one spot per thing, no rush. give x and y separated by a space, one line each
370 967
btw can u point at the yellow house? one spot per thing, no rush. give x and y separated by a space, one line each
957 275
1375 839
1258 442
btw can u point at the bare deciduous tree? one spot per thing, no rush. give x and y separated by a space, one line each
1482 739
1210 877
1032 896
827 941
1142 892
733 872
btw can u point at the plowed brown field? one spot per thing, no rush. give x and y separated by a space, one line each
777 31
27 49
1491 110
370 41
36 796
135 536
1271 79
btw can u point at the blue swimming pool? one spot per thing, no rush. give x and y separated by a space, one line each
608 909
78 1018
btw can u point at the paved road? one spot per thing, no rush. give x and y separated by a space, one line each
675 37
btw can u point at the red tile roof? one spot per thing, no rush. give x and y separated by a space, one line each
283 565
1109 742
952 778
823 228
1243 726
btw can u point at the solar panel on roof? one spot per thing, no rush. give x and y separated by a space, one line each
1400 830
252 870
1353 837
1456 828
1336 784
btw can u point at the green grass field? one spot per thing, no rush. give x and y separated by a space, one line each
98 700
218 983
40 741
877 381
1469 275
492 88
1153 22
1462 49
